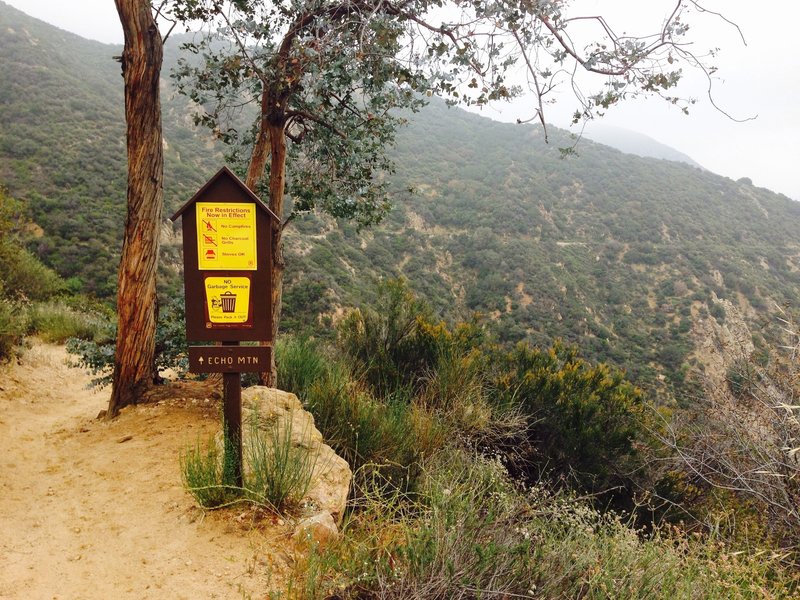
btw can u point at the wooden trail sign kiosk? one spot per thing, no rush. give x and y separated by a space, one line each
227 269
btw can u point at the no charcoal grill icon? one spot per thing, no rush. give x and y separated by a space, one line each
228 300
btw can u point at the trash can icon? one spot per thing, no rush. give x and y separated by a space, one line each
228 300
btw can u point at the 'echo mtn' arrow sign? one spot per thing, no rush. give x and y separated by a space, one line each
228 359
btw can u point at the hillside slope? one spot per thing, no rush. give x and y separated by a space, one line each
62 145
620 254
617 253
633 142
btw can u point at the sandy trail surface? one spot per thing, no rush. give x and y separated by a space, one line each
91 509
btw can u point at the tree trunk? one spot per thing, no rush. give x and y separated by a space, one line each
261 149
270 144
277 185
134 366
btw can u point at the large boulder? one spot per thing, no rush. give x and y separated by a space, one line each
330 481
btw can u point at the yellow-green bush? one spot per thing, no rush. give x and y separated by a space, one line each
585 419
24 276
56 322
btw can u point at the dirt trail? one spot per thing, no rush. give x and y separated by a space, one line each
90 509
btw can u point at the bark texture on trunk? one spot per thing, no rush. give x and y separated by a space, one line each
134 368
277 185
270 145
261 149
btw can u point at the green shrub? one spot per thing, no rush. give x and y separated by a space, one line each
456 537
202 474
97 357
585 419
742 378
276 472
583 553
171 346
300 364
455 379
458 390
717 310
12 327
25 276
549 411
386 342
367 433
464 536
96 354
386 435
22 275
55 322
470 533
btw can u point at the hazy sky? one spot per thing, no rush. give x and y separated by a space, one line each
761 78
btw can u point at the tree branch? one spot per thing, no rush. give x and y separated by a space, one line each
302 114
242 47
532 71
161 15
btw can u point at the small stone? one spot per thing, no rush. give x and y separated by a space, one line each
319 529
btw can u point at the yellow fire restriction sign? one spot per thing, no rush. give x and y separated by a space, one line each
226 236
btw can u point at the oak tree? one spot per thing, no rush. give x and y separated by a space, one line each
328 80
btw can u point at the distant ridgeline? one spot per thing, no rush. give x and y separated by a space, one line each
619 254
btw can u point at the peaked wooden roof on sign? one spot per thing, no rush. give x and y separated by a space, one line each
225 172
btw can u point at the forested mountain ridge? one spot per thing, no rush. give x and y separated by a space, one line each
62 144
62 139
619 254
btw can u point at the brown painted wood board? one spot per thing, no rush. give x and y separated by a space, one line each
212 312
229 359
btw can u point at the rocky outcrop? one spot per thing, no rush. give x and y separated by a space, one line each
720 344
330 482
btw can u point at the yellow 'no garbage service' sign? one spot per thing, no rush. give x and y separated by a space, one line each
228 299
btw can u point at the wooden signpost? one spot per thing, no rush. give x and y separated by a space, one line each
227 267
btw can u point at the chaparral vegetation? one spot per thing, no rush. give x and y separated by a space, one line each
550 377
